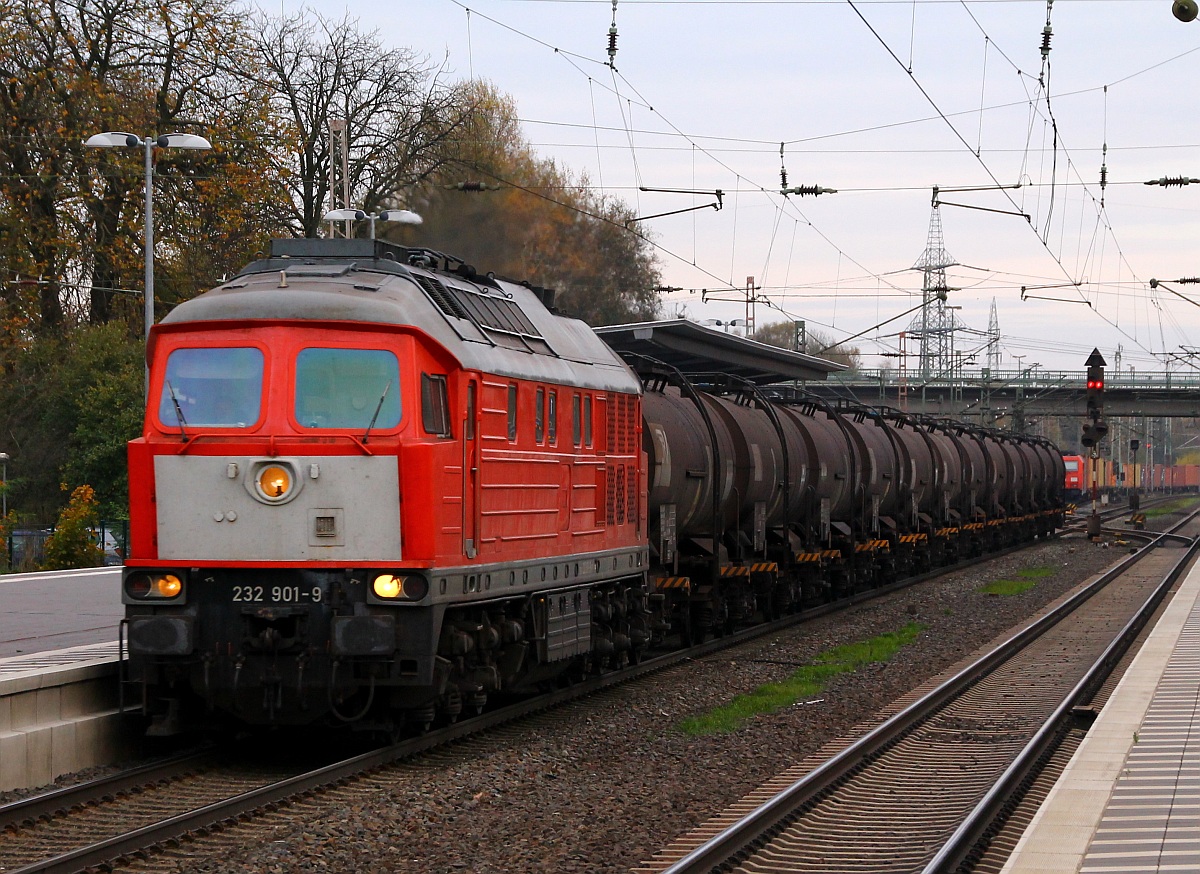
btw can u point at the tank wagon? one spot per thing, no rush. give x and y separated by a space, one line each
377 487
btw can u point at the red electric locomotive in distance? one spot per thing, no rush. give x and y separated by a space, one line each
377 487
1075 481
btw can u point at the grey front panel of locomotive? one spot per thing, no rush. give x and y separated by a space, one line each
347 509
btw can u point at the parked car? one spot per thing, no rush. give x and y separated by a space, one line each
114 551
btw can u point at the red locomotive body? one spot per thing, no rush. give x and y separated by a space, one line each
362 473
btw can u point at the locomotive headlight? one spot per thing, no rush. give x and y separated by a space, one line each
274 481
388 586
395 587
151 586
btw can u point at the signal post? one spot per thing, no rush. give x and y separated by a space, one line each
1094 429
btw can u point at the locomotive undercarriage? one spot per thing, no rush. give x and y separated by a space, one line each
332 656
520 645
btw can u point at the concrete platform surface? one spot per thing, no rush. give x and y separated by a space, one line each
1129 800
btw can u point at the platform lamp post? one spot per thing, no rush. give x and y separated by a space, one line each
4 506
122 140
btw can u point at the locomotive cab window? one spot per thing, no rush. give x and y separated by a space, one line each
347 388
212 387
552 417
435 404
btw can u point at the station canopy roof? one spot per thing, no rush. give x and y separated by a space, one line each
694 348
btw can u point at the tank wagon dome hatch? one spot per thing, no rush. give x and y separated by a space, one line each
490 324
693 348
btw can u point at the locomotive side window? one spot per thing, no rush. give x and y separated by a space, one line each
435 404
211 387
347 388
471 410
587 420
552 417
576 427
512 413
539 416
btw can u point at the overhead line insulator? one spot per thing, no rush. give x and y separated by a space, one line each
807 189
1168 181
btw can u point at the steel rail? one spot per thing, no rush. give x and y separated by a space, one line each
977 823
766 819
47 805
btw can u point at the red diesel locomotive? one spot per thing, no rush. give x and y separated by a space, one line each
377 487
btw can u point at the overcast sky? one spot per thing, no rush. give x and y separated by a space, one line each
881 101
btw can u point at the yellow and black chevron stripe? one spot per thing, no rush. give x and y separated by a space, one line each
684 583
822 555
744 570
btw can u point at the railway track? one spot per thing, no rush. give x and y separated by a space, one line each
920 792
136 814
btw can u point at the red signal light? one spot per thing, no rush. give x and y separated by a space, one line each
1095 384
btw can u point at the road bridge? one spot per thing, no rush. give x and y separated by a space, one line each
1030 392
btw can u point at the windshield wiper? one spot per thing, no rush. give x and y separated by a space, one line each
178 411
378 407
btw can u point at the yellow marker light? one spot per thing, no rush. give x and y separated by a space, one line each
154 586
388 586
168 585
274 481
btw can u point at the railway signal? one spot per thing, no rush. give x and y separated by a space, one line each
1093 433
1095 382
1095 428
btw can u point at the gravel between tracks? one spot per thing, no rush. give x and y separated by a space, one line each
604 787
603 784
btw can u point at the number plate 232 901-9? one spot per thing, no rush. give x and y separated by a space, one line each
253 594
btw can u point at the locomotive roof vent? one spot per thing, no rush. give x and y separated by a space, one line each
497 315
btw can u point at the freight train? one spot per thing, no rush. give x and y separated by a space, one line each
1112 477
375 486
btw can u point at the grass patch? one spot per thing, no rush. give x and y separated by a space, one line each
1180 505
804 683
1008 587
1026 579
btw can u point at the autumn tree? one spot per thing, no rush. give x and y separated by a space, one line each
71 545
68 406
396 109
506 210
72 217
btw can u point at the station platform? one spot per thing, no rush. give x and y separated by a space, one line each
59 708
1129 800
58 714
53 610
